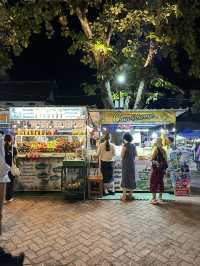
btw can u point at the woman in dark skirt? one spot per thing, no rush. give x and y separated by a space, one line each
10 154
128 155
106 152
159 166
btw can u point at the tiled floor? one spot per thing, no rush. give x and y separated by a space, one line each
53 232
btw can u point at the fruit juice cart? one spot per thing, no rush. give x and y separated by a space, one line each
46 138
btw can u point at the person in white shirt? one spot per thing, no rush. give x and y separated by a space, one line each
4 179
106 153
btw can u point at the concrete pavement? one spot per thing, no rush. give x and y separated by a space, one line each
53 232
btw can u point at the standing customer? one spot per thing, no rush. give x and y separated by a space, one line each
4 168
10 154
128 155
159 166
106 152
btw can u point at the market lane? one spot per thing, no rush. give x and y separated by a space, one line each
54 232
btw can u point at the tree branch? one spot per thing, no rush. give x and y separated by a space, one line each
152 52
84 22
109 34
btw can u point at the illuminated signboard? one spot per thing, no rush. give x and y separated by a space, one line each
129 117
46 113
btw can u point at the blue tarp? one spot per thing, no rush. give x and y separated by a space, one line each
188 133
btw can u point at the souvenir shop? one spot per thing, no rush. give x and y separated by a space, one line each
145 126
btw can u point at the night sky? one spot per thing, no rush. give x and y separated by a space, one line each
48 60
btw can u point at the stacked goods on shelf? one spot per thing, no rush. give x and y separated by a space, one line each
142 171
167 182
117 172
180 171
142 182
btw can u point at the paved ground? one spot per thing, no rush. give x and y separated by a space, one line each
52 232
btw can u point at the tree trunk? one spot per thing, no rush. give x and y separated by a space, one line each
106 95
140 91
151 54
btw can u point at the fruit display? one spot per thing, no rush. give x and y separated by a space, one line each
23 148
57 145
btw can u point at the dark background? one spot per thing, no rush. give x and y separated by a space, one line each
48 60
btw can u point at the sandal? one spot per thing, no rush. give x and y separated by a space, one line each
154 202
130 197
122 198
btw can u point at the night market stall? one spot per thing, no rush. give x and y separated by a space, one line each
188 153
145 126
51 144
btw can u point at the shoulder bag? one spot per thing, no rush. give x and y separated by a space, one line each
14 169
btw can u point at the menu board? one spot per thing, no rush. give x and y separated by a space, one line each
31 113
42 174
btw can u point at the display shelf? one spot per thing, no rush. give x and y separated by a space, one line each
42 155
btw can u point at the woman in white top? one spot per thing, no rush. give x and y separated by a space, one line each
106 152
4 168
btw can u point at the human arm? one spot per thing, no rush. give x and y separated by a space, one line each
136 152
154 157
14 152
154 154
2 150
123 151
113 151
99 150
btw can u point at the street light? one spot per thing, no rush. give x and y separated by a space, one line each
121 78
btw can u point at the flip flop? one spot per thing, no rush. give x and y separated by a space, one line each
154 202
122 198
130 197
